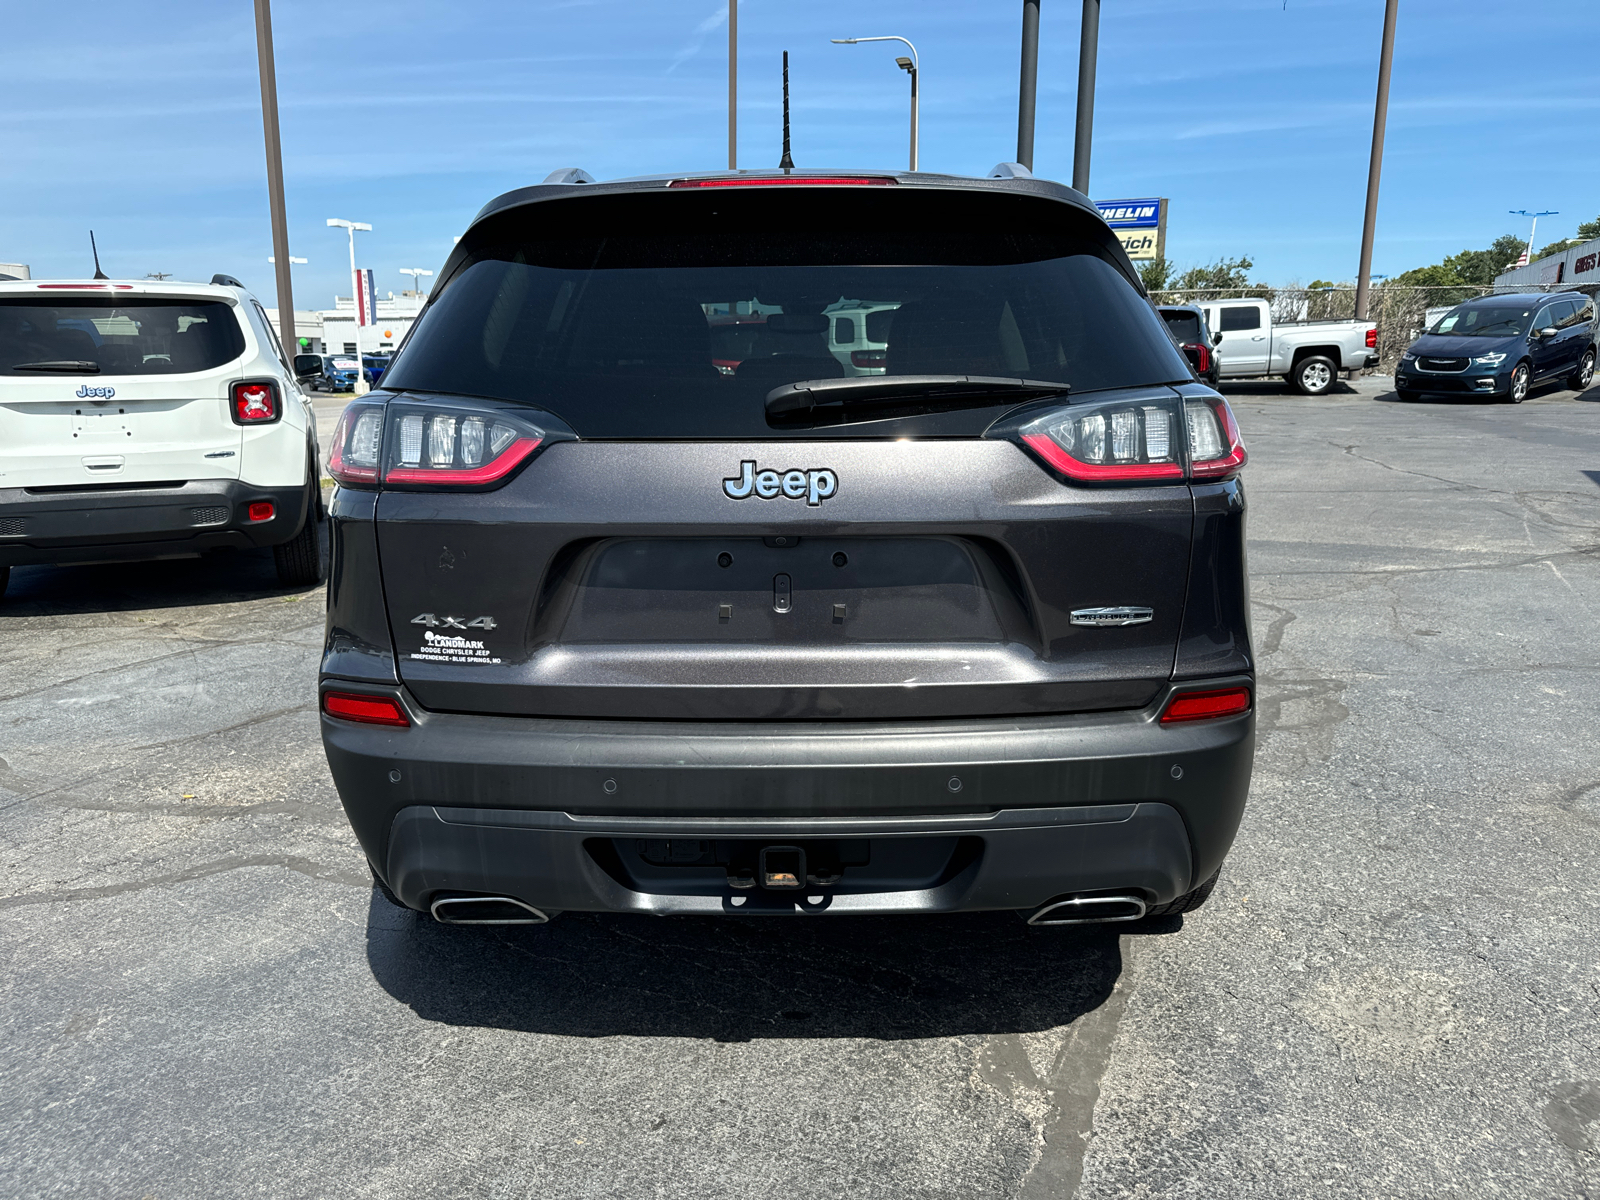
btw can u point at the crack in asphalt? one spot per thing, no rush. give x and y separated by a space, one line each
292 862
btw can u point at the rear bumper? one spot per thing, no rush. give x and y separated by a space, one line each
119 524
938 816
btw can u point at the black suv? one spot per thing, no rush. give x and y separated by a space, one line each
1189 329
1499 347
613 626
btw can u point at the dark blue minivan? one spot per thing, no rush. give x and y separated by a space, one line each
1499 347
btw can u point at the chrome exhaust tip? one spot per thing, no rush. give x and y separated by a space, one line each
485 910
1090 910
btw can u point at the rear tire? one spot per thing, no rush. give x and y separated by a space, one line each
299 560
1187 902
1521 378
1580 379
1314 375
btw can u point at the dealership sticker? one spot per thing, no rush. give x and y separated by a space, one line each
443 648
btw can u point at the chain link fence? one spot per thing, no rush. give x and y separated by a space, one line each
1402 313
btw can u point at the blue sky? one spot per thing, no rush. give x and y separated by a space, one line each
1254 116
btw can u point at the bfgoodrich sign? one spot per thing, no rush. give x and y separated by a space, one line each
1140 224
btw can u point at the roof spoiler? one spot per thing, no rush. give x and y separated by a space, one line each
569 175
1009 170
226 281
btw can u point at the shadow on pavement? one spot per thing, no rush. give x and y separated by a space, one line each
1277 387
220 577
600 975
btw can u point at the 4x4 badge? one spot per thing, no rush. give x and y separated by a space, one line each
433 622
813 485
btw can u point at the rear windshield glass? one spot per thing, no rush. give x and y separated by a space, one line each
1508 321
148 336
674 315
1185 326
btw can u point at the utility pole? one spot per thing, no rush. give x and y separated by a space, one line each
1088 54
1028 93
733 85
1380 118
280 217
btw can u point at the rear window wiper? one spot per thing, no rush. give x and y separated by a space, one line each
67 366
794 403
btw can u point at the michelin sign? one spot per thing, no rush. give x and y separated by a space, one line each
1141 225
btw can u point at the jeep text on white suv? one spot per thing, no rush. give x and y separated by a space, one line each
147 420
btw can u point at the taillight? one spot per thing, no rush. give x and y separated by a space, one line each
1205 356
449 447
1206 706
429 445
869 358
353 458
256 402
367 710
1215 448
785 180
1129 442
1372 338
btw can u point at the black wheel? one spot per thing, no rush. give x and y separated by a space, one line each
299 560
1521 377
1314 375
1187 902
383 887
1580 379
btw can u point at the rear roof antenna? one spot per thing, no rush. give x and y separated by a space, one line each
788 163
95 250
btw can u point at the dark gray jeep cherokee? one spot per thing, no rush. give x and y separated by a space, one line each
652 591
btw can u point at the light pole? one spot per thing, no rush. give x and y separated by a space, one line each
908 65
1380 119
416 274
351 227
1522 212
733 85
269 126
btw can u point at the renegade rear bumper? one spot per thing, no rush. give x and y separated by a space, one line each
930 816
113 524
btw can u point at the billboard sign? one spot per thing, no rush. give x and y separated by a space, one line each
366 299
1141 225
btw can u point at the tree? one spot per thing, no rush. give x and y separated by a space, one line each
1589 230
1479 267
1155 274
1226 274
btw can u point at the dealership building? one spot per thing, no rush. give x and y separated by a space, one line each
333 330
1577 267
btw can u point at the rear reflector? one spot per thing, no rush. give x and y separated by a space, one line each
261 510
1203 706
368 710
785 181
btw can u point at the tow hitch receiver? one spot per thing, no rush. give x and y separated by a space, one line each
782 867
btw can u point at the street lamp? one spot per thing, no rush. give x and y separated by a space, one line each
297 261
355 294
416 274
908 65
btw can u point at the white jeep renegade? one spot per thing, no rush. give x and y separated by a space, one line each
144 420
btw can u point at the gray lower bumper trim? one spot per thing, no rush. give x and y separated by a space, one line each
1027 856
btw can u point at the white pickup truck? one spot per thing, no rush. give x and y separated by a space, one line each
1309 354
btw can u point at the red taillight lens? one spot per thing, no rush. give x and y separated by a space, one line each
256 403
1372 338
1131 442
1205 356
261 510
1204 706
1215 448
869 358
446 447
353 457
368 710
785 181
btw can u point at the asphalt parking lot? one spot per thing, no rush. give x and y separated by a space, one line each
1393 991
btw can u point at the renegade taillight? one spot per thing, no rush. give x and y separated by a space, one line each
1215 449
367 710
1206 706
255 402
1109 443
